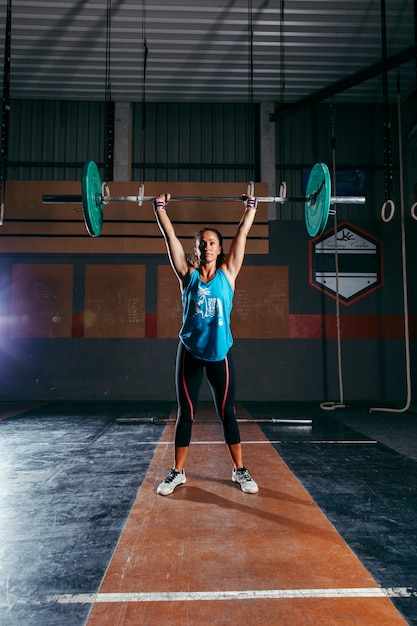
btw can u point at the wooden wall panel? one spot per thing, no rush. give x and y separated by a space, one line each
41 301
260 309
169 311
261 303
33 227
114 301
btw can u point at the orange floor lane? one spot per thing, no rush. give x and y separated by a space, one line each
210 554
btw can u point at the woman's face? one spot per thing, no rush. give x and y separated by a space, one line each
207 246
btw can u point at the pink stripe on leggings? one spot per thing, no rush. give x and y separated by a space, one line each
226 389
190 404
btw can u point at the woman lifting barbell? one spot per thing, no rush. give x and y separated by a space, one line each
207 286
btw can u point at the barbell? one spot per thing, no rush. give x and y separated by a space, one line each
172 420
95 195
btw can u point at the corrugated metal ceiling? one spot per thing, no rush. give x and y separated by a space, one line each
201 51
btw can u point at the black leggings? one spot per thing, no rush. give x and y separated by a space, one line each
188 378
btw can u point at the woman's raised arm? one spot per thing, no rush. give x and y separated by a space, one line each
236 255
175 250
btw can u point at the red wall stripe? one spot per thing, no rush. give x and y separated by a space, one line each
311 326
351 326
77 325
151 326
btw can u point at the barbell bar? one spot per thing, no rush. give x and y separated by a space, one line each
171 420
95 195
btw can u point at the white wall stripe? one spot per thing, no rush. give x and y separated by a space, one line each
261 594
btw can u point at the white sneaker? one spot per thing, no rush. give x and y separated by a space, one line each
173 479
242 476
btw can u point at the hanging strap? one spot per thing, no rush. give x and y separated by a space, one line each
404 268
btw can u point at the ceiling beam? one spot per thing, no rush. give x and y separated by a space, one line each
346 83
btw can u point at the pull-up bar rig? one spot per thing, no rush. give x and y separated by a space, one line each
317 201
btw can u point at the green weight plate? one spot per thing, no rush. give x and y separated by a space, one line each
92 198
317 205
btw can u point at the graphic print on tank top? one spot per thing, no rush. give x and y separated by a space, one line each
207 306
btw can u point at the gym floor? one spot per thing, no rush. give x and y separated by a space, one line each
331 537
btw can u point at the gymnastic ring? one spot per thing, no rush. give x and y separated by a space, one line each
384 217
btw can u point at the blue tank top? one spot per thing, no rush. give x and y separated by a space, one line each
207 307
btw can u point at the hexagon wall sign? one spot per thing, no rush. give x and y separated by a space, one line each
360 264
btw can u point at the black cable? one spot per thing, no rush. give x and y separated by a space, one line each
5 109
388 176
282 87
109 105
251 116
145 59
415 33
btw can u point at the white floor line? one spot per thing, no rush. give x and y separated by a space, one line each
203 443
261 594
343 441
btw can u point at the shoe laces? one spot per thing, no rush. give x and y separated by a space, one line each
244 474
171 476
